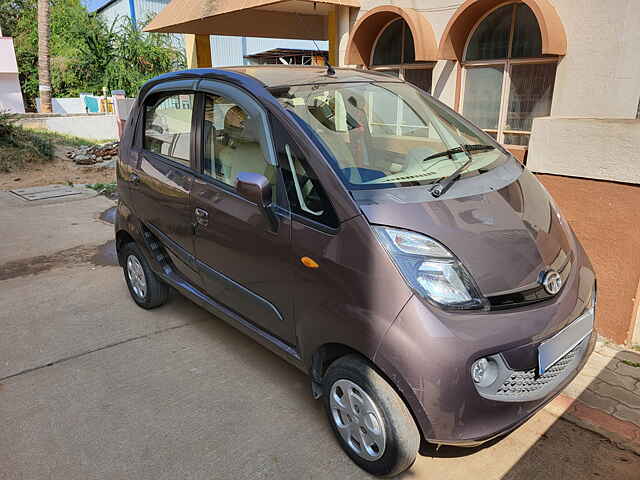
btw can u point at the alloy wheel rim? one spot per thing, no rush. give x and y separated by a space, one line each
136 275
357 419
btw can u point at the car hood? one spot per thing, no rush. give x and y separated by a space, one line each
504 227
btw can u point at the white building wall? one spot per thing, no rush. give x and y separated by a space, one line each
600 75
116 10
586 147
145 10
96 127
10 93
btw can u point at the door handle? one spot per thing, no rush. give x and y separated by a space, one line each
202 217
134 178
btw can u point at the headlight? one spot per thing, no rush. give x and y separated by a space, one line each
431 269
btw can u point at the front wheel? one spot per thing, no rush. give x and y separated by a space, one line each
370 420
146 289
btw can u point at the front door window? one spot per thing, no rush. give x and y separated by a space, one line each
232 142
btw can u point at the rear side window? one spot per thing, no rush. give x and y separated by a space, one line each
306 195
167 127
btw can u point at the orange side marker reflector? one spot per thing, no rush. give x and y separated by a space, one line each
309 262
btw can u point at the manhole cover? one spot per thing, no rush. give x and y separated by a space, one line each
49 191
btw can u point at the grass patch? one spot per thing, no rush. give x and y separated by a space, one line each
19 146
108 189
631 364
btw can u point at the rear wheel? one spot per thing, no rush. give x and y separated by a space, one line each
370 420
146 289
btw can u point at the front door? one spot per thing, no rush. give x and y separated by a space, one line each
245 263
161 184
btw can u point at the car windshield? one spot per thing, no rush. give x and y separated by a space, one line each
388 134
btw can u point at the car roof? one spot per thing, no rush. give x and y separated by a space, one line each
272 76
281 75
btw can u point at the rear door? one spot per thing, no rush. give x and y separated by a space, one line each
245 263
162 180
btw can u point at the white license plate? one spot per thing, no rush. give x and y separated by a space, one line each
552 350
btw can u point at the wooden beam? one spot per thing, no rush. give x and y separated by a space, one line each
198 50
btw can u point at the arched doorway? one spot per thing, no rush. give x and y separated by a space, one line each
398 41
507 79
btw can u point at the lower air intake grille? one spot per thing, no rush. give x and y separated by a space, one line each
524 385
525 382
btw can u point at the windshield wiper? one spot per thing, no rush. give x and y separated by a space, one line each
476 147
443 185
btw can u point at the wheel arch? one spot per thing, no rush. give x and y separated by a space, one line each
122 238
328 353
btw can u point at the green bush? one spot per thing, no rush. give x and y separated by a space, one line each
19 146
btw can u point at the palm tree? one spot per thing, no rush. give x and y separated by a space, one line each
44 77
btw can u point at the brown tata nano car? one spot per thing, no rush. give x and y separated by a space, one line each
366 233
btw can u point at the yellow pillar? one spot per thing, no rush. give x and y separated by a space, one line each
332 34
198 50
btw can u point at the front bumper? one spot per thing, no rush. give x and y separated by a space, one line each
588 347
433 353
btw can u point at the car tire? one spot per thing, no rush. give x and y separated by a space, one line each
146 289
370 420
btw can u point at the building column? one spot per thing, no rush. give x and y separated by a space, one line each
339 24
198 50
345 21
332 34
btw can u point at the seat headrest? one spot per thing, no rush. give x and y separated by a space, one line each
239 125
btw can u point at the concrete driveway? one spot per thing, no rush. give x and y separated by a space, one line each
91 386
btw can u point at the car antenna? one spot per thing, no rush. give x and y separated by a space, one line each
330 70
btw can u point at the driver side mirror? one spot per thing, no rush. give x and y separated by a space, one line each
257 189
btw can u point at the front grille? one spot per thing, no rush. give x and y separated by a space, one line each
522 298
519 299
525 382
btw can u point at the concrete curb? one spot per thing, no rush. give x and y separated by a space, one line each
624 434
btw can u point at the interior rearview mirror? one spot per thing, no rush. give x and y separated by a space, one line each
257 189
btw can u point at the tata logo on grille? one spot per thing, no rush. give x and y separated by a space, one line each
552 282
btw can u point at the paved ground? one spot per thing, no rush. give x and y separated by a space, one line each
605 396
91 386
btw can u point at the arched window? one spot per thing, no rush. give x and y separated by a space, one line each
508 82
394 53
